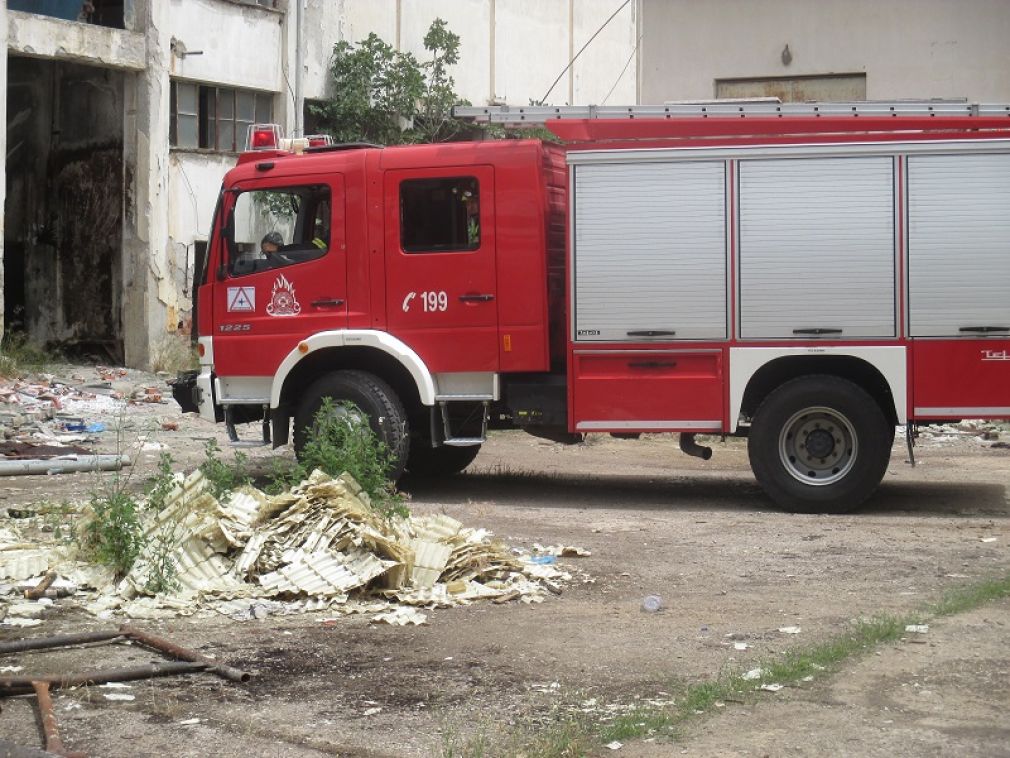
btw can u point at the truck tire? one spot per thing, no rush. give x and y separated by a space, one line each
819 444
427 461
376 399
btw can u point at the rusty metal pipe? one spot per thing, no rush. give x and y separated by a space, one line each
59 640
19 685
40 589
170 648
53 742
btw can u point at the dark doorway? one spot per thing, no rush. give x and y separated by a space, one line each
64 213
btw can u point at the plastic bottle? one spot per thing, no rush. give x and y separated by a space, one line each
652 603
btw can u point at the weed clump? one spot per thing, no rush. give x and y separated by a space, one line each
224 477
341 440
114 536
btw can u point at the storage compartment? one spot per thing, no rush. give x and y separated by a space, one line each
959 245
817 248
650 251
648 390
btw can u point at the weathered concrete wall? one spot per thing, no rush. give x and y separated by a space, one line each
3 153
64 221
145 236
906 48
510 50
241 44
44 37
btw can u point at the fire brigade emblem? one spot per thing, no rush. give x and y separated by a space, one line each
283 301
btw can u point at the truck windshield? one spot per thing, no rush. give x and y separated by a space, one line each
279 227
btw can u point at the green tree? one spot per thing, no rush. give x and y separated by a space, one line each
387 96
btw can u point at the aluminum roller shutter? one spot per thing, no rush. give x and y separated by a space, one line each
650 251
817 248
958 243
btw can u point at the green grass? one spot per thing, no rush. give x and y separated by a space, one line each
19 357
579 735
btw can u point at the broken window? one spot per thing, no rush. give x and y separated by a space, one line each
215 118
279 227
440 215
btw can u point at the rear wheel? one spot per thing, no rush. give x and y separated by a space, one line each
819 444
373 397
425 460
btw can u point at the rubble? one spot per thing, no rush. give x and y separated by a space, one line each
319 546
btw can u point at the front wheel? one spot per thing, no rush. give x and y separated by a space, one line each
373 397
819 444
445 460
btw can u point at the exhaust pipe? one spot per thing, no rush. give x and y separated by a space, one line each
688 445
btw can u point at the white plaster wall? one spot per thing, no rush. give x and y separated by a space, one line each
906 48
608 64
242 44
327 21
531 49
42 36
471 20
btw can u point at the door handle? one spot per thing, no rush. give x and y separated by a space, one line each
652 364
327 302
984 329
476 298
652 333
817 330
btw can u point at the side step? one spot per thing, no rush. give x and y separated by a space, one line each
233 438
451 439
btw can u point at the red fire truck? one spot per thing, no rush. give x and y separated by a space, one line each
807 276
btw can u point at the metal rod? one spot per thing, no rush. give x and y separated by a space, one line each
16 685
165 646
59 640
53 742
40 589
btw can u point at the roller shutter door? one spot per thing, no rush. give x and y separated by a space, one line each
817 248
958 243
650 251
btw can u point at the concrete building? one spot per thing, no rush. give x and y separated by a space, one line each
123 116
825 50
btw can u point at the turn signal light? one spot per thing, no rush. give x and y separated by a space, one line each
201 349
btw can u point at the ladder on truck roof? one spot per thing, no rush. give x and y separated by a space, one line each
746 120
540 114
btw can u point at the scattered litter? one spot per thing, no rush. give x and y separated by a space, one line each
371 711
808 678
917 628
615 745
562 551
26 610
188 722
652 603
752 674
987 539
790 629
740 646
21 622
400 617
771 687
114 686
543 560
11 669
119 696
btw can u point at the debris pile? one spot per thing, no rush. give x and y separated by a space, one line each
318 546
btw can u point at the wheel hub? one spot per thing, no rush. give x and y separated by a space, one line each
818 446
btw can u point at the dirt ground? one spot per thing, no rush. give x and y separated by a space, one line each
699 534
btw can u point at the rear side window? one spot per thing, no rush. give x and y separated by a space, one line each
280 227
440 215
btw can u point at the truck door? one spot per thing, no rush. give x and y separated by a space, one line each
270 295
441 285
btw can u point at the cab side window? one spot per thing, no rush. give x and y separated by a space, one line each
279 227
440 215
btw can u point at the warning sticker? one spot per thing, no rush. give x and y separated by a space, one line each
241 299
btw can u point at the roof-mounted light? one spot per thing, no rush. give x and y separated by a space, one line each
319 140
263 137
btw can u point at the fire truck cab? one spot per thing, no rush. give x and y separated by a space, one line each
809 280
